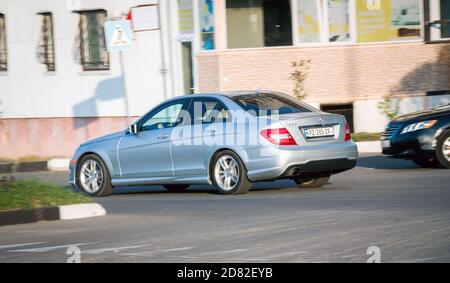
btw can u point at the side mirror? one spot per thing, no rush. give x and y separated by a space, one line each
180 120
133 129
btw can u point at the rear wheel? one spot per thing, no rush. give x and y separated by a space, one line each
427 163
443 149
312 182
176 188
228 174
93 177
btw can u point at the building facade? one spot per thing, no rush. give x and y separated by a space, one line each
361 54
59 86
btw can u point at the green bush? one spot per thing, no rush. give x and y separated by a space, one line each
25 194
362 137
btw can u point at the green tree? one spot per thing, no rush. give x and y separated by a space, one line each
299 75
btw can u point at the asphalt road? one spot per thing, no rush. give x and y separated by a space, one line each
391 204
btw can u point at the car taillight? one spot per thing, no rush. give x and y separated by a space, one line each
278 136
348 136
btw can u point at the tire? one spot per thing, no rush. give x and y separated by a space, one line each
236 173
84 172
312 182
442 147
179 188
427 163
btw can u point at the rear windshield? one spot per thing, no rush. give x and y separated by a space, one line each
267 104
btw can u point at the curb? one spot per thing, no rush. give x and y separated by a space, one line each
64 212
369 147
58 164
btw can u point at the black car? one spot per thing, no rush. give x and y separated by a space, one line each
423 137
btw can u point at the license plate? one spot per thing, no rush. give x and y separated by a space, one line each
386 143
319 132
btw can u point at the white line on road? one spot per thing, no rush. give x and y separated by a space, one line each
225 252
4 247
177 249
47 249
116 250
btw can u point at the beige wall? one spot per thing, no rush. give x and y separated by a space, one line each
52 137
337 74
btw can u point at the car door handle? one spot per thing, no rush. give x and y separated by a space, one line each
162 137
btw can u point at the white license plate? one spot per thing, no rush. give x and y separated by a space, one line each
319 132
386 143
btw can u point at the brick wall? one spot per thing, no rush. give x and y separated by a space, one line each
337 74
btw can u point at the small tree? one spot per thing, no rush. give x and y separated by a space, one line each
390 107
299 75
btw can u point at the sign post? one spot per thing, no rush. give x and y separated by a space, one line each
119 37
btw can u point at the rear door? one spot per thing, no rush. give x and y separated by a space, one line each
190 149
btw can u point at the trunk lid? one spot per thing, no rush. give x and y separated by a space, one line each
299 124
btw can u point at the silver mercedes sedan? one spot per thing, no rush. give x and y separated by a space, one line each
229 140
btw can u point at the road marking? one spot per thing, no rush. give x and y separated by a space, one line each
4 247
116 250
225 252
177 249
47 249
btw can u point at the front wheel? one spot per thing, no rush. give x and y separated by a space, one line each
443 149
93 177
228 174
312 182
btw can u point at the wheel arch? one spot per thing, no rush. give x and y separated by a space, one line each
213 153
439 133
106 161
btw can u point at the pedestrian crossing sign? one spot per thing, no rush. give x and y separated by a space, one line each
118 35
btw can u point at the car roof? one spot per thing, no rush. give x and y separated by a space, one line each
238 93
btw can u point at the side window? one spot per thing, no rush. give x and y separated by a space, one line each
91 44
208 110
167 116
3 50
46 47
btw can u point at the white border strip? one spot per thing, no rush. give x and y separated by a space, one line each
77 211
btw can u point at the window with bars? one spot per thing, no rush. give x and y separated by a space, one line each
3 48
46 47
91 40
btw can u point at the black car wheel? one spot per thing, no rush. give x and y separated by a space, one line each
229 174
93 177
443 149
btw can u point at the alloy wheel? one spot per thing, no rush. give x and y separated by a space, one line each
446 149
226 173
91 176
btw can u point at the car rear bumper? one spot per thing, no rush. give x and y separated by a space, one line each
319 168
289 162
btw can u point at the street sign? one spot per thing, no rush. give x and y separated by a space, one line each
118 35
145 17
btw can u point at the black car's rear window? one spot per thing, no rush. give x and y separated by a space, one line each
267 104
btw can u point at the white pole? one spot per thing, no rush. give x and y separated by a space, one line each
164 69
125 95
